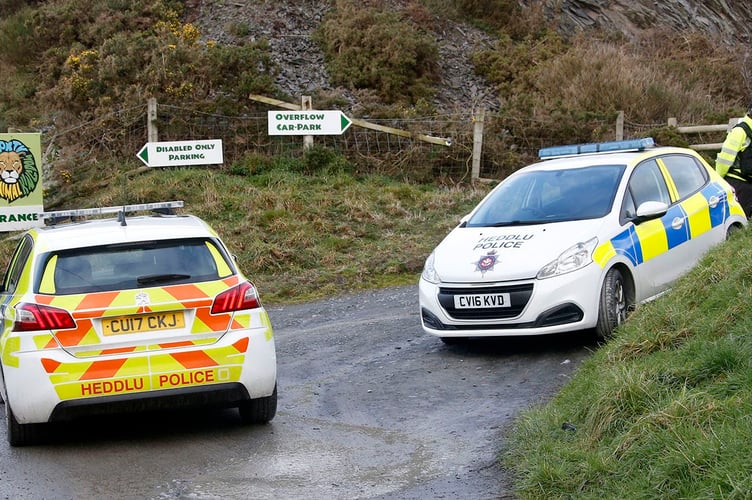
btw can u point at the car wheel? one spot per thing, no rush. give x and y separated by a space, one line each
613 306
259 410
20 434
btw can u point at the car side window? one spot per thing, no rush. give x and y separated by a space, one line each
16 265
647 184
688 175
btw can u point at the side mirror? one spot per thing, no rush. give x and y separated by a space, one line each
650 210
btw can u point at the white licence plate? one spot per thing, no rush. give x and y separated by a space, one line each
477 301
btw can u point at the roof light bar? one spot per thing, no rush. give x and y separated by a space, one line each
83 212
596 147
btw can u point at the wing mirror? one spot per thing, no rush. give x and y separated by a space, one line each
650 210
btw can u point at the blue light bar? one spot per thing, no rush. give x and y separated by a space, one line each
596 147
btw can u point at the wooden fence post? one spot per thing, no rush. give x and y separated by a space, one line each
306 105
478 119
152 134
620 126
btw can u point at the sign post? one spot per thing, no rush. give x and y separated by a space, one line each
181 153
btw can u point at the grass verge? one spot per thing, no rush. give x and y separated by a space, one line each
663 410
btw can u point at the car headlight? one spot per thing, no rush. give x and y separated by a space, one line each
429 272
571 259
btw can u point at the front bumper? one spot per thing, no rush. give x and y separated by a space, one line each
561 304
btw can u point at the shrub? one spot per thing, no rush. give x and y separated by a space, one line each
370 48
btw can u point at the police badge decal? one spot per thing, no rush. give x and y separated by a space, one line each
486 262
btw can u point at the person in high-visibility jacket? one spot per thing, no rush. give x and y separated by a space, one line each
734 161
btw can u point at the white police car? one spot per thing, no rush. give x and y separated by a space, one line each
576 241
129 314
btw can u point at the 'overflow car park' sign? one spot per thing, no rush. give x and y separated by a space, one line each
313 122
179 153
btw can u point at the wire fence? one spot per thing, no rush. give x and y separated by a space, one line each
507 144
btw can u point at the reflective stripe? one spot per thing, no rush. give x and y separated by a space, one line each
673 192
699 214
628 245
81 379
652 236
693 217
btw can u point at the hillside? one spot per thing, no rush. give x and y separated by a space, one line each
288 25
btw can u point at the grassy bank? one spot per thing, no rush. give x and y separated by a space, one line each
664 409
305 236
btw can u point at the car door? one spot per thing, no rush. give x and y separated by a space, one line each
702 202
662 241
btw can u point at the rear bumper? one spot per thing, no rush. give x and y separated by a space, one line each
214 396
50 384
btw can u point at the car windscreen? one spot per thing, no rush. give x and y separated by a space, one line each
133 265
543 196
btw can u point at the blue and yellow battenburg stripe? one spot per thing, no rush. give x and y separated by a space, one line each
652 238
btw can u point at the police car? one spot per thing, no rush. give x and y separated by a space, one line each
128 313
575 241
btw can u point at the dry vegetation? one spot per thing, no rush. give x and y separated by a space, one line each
68 61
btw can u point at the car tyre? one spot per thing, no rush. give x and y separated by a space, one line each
259 410
613 305
20 434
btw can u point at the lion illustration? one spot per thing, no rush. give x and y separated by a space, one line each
18 170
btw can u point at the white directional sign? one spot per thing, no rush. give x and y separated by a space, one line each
177 153
312 122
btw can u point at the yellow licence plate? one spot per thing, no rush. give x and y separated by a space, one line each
143 323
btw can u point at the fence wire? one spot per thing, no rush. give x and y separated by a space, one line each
507 144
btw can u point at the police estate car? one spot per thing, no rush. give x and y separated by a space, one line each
129 313
575 241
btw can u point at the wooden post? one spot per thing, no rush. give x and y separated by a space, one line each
152 133
478 119
620 126
306 105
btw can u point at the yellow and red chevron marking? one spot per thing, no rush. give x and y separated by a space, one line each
86 307
140 373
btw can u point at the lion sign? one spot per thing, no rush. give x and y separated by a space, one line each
21 190
18 170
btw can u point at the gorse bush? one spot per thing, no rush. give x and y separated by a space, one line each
374 47
94 56
567 86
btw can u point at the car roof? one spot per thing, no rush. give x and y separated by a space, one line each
615 158
96 232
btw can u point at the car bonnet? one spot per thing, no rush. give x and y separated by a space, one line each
488 254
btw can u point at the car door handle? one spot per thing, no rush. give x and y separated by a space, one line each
713 201
677 223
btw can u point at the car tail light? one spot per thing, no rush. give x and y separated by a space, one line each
31 317
242 296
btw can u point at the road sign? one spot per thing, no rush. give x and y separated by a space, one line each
311 122
180 153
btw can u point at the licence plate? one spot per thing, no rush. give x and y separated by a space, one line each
143 323
484 300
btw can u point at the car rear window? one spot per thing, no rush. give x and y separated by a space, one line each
133 265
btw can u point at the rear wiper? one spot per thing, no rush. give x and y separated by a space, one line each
160 278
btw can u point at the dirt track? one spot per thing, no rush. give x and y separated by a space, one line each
370 407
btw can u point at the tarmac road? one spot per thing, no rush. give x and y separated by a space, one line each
369 407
